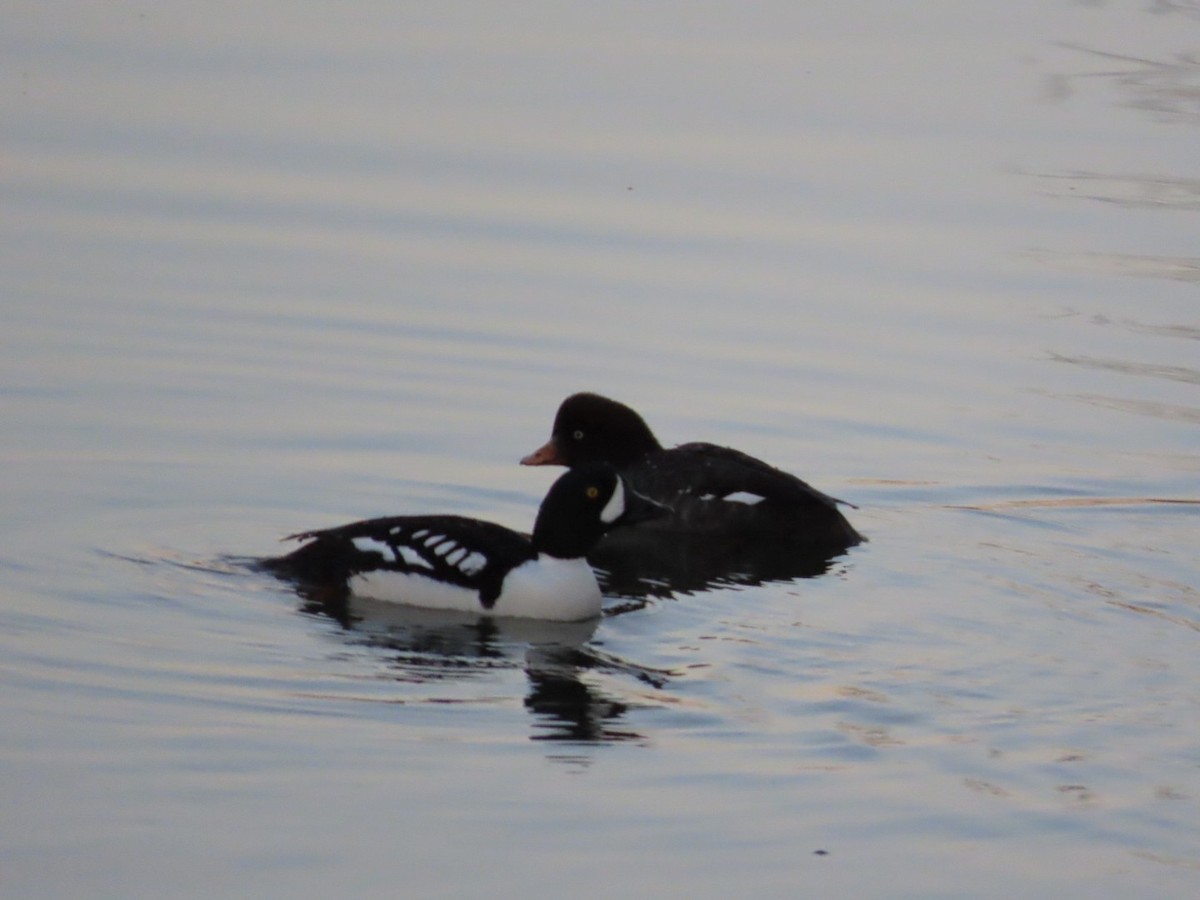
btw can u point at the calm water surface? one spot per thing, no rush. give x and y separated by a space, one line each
281 267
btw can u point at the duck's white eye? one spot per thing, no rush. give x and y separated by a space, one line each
578 435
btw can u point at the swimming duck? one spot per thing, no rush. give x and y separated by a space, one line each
709 489
458 563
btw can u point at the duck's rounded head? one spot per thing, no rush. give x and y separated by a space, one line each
582 505
592 428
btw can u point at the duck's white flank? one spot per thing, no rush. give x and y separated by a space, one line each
562 590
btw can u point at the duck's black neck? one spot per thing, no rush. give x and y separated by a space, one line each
563 536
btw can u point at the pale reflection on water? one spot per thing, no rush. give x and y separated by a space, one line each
269 268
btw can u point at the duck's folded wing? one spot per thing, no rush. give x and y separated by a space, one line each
453 549
710 472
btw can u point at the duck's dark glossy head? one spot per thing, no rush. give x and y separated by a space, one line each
591 428
583 505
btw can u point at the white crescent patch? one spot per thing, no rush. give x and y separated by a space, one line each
615 507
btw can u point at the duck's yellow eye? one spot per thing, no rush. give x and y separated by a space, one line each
593 492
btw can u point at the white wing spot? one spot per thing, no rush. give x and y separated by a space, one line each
374 545
456 557
473 563
416 535
743 497
445 547
432 539
413 558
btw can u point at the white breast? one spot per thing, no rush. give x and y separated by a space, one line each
564 590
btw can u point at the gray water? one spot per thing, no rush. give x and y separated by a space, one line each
280 266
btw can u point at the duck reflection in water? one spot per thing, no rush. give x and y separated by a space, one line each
428 646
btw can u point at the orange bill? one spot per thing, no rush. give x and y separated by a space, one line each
545 455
